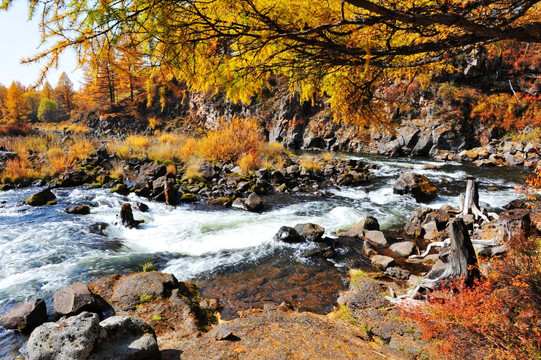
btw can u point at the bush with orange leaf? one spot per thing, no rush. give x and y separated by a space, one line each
499 317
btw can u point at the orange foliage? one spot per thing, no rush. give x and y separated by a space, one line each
18 168
231 140
497 318
250 161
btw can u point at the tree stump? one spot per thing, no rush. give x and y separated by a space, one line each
460 258
469 201
126 216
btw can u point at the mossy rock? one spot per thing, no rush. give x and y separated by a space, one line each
43 197
121 189
188 198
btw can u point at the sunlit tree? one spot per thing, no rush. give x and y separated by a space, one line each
344 49
47 111
65 95
16 110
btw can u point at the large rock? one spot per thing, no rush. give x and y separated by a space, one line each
382 262
126 217
362 294
67 339
126 338
418 186
74 299
309 231
25 317
289 235
254 203
42 197
83 337
169 306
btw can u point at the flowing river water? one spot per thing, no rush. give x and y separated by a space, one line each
230 253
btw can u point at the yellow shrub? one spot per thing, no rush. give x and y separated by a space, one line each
192 168
169 138
310 163
188 149
117 170
57 161
327 156
16 169
231 140
81 149
250 161
163 152
124 152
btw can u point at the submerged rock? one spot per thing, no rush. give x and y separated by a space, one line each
418 186
78 210
43 197
25 317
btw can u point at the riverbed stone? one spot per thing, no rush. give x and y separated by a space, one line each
41 198
416 185
431 230
376 238
289 235
311 232
382 261
25 317
78 210
397 273
363 293
403 248
74 299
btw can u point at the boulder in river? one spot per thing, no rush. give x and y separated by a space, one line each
357 230
126 216
289 235
43 197
25 317
416 185
254 203
78 210
311 232
74 299
403 248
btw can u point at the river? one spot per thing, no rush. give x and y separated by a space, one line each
43 249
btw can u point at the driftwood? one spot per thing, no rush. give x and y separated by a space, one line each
126 216
469 201
443 243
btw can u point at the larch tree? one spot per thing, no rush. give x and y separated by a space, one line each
344 49
65 94
47 91
3 97
16 110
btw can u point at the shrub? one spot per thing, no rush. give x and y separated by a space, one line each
250 161
48 110
18 169
81 149
138 143
231 140
57 161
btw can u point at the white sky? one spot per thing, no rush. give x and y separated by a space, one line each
19 39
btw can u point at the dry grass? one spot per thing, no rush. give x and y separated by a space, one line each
309 162
17 169
57 161
117 170
192 168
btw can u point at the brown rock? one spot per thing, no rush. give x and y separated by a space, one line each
25 317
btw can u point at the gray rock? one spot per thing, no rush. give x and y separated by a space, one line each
289 235
357 230
67 339
311 232
403 249
376 238
74 299
382 262
397 273
412 229
25 317
254 203
362 294
126 338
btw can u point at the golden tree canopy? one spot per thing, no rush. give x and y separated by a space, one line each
343 49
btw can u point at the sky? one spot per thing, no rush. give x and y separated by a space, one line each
19 39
